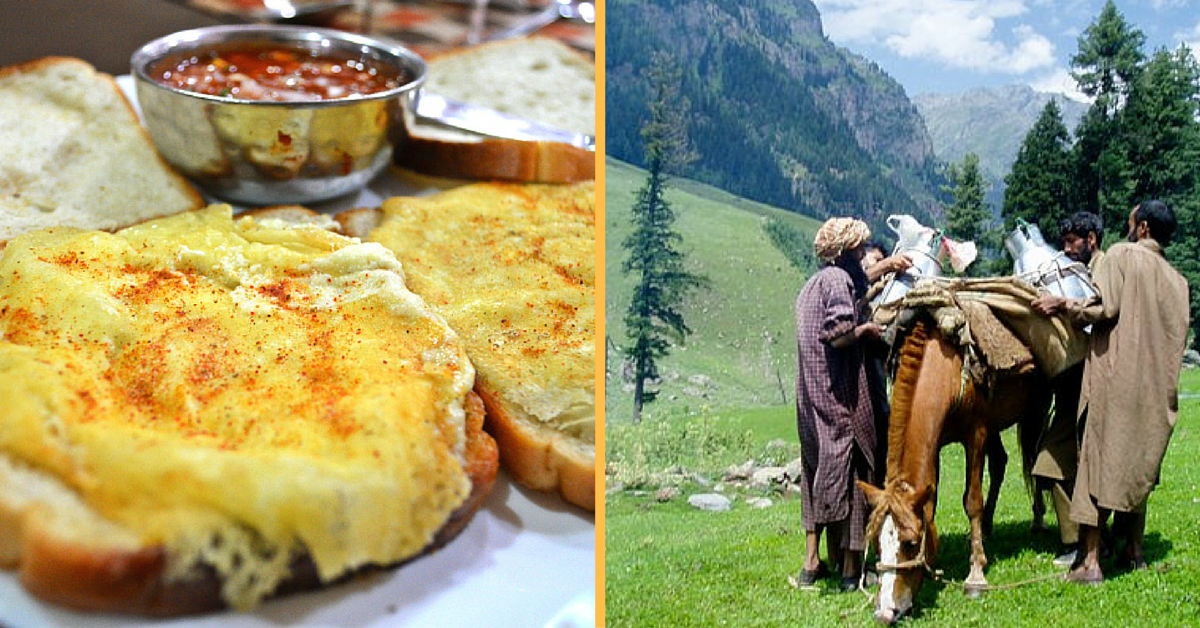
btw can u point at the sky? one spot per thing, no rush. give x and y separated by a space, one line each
950 46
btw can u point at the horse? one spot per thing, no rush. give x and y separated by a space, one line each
934 403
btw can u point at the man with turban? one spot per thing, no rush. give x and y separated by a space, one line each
833 405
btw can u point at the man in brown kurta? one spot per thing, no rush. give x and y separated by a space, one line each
833 405
1058 448
1128 401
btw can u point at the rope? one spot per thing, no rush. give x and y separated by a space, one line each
997 587
938 575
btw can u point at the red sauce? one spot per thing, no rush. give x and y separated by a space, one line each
276 74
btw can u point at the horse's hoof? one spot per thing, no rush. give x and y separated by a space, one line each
974 591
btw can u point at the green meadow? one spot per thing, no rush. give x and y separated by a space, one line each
669 564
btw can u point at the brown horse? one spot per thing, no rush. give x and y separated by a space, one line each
934 403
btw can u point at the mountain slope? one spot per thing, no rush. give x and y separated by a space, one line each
990 122
742 351
778 113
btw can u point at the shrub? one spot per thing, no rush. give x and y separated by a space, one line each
638 455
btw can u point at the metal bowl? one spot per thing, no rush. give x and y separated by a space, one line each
265 152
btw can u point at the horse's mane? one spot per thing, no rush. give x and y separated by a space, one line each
904 384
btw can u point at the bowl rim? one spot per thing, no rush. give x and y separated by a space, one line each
199 38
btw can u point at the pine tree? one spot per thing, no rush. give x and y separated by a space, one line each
1159 128
1109 58
1161 139
968 217
1038 190
653 321
1106 67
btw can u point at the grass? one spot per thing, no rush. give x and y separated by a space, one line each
744 340
670 565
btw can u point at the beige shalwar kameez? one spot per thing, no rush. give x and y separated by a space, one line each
1129 395
1058 448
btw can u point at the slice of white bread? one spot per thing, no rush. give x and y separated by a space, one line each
75 154
536 78
201 411
512 269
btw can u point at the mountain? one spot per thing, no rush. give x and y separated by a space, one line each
778 113
990 122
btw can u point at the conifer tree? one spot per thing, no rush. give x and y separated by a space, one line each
1161 141
654 322
1038 190
1109 59
968 217
1105 67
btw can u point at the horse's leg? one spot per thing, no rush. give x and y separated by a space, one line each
975 443
1038 510
1029 435
997 460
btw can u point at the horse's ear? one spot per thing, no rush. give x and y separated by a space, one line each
921 496
873 494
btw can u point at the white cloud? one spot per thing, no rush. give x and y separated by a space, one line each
1059 81
958 33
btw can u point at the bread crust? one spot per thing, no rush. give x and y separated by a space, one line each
539 457
498 159
504 43
87 578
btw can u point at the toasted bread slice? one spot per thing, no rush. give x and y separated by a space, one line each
202 411
75 154
66 554
512 269
536 78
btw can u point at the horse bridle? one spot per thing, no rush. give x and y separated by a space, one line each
912 563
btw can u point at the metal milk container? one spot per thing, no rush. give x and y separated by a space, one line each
1044 267
920 244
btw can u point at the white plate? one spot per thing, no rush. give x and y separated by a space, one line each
526 560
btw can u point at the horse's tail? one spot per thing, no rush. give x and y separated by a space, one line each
904 385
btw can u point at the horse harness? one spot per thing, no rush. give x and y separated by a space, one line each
918 561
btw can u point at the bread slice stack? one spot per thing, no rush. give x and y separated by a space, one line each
512 269
74 153
536 78
201 411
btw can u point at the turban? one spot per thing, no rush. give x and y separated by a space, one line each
839 235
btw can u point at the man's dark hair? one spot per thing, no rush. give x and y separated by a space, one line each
877 245
1159 218
1080 224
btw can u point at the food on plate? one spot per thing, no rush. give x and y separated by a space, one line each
259 71
512 268
536 78
75 154
201 411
